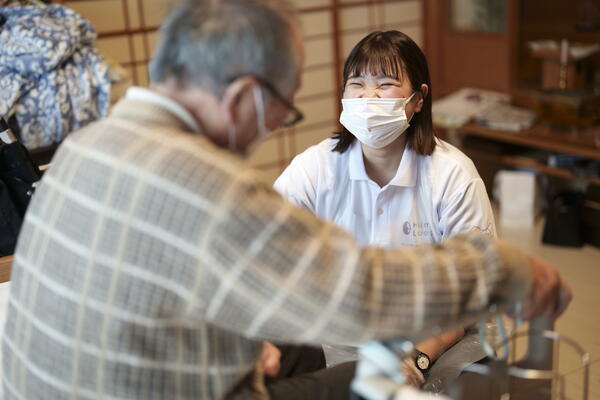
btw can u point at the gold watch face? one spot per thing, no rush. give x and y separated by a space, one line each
422 362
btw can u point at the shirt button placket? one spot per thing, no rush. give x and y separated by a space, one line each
379 218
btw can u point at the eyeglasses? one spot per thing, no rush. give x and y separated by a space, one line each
294 115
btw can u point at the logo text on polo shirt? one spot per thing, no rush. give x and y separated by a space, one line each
418 229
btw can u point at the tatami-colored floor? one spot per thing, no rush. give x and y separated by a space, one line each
581 322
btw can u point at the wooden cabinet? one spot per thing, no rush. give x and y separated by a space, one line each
501 60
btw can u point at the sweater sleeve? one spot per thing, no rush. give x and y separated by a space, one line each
278 272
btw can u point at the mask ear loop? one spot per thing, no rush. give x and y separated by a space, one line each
260 118
260 111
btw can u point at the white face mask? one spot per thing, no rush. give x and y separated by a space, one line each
375 122
263 133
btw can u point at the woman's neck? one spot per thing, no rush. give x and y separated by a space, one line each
382 164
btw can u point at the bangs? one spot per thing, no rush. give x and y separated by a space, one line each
375 57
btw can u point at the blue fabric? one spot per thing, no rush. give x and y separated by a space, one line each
52 78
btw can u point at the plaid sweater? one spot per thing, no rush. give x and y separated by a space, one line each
151 264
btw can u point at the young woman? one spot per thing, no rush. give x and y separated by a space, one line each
385 177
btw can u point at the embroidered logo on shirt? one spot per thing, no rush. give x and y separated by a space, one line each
418 229
487 230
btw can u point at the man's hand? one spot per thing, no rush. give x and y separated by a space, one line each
549 296
269 359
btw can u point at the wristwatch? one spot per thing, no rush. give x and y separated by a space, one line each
422 361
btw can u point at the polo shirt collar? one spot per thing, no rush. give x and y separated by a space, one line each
406 175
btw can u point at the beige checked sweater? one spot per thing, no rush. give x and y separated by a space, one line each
151 265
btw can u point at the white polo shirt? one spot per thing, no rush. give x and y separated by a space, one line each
429 199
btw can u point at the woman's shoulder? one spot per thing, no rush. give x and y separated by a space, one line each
450 159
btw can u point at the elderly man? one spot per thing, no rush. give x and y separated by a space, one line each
153 262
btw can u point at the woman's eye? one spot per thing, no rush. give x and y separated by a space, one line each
354 84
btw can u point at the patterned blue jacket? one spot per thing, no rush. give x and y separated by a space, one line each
52 78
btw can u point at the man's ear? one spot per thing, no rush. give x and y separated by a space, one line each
233 95
424 93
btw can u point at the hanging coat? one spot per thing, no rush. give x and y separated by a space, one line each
52 78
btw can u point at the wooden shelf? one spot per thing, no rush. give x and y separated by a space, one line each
540 136
524 162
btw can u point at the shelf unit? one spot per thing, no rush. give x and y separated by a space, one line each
497 150
524 162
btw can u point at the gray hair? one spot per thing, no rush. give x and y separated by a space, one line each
210 43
